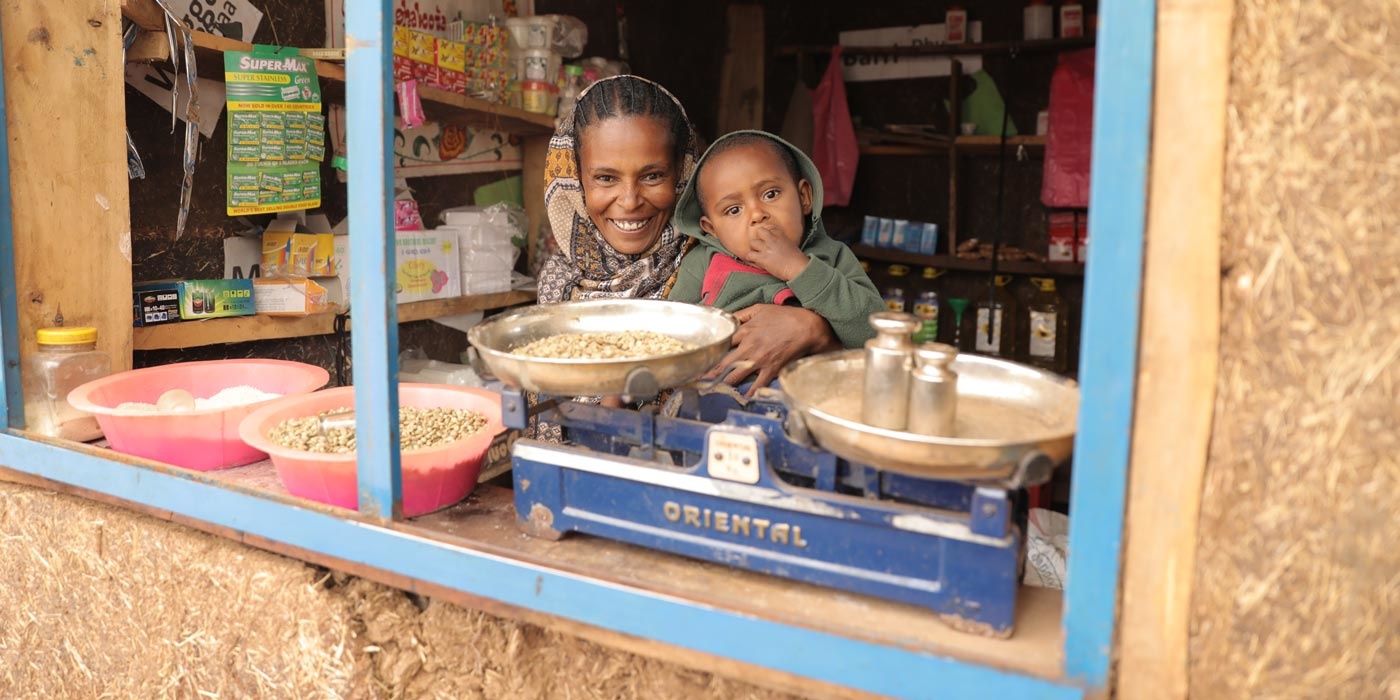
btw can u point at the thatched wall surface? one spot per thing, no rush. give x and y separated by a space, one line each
1297 592
99 602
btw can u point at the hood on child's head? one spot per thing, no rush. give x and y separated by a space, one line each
688 210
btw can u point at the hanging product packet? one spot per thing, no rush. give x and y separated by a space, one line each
276 131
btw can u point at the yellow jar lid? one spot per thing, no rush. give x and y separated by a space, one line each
898 270
77 335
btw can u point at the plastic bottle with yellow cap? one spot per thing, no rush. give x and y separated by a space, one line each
67 358
992 320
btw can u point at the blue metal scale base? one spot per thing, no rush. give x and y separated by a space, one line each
713 479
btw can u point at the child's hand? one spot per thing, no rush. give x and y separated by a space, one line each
775 253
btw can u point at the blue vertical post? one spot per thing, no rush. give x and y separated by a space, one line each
375 341
1108 359
10 390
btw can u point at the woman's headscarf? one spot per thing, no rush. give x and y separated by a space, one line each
587 267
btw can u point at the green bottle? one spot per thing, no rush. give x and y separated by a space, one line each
926 307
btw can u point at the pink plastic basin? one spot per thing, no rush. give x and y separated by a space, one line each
201 440
433 477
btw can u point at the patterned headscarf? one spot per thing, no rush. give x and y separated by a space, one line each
587 267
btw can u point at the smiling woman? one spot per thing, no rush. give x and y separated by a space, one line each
611 182
615 170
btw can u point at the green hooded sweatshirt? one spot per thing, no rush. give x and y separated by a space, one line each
833 284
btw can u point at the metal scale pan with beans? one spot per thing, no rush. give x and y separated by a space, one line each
889 471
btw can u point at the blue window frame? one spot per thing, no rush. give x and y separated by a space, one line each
1112 299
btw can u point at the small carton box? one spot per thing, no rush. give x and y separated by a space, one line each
928 242
154 303
402 39
428 265
453 81
290 296
1063 230
293 250
452 55
288 254
422 47
403 68
340 259
201 299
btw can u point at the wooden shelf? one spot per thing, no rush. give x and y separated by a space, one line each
977 144
209 49
950 262
1009 48
240 329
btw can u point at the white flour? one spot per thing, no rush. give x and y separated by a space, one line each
226 398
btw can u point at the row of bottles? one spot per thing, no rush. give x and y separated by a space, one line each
988 320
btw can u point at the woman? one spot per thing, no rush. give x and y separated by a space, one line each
614 172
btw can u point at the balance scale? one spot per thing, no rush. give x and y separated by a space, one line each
785 483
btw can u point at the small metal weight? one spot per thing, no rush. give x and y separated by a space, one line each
933 394
889 362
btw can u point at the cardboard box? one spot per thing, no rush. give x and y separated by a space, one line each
154 303
403 69
1062 234
293 249
242 258
452 55
422 47
428 266
340 260
201 299
292 296
402 40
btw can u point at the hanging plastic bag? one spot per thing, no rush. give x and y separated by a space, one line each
835 151
1071 134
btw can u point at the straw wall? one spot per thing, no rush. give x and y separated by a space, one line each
101 602
1297 592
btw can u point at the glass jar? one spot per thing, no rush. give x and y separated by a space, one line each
569 91
926 307
67 358
895 292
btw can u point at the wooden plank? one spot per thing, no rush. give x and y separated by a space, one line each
149 47
987 47
741 76
535 150
1179 354
972 144
240 329
145 13
955 110
209 50
950 262
67 119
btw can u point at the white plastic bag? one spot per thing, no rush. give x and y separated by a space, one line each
1047 548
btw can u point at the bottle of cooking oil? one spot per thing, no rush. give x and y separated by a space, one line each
994 313
1047 342
926 307
896 291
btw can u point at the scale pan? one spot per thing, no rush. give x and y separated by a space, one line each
1006 412
708 329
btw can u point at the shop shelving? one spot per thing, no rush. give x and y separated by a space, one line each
952 262
189 334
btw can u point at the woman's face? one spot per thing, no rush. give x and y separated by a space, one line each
628 171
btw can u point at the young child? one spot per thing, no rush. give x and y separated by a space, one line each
754 207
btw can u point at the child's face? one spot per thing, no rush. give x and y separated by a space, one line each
747 189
